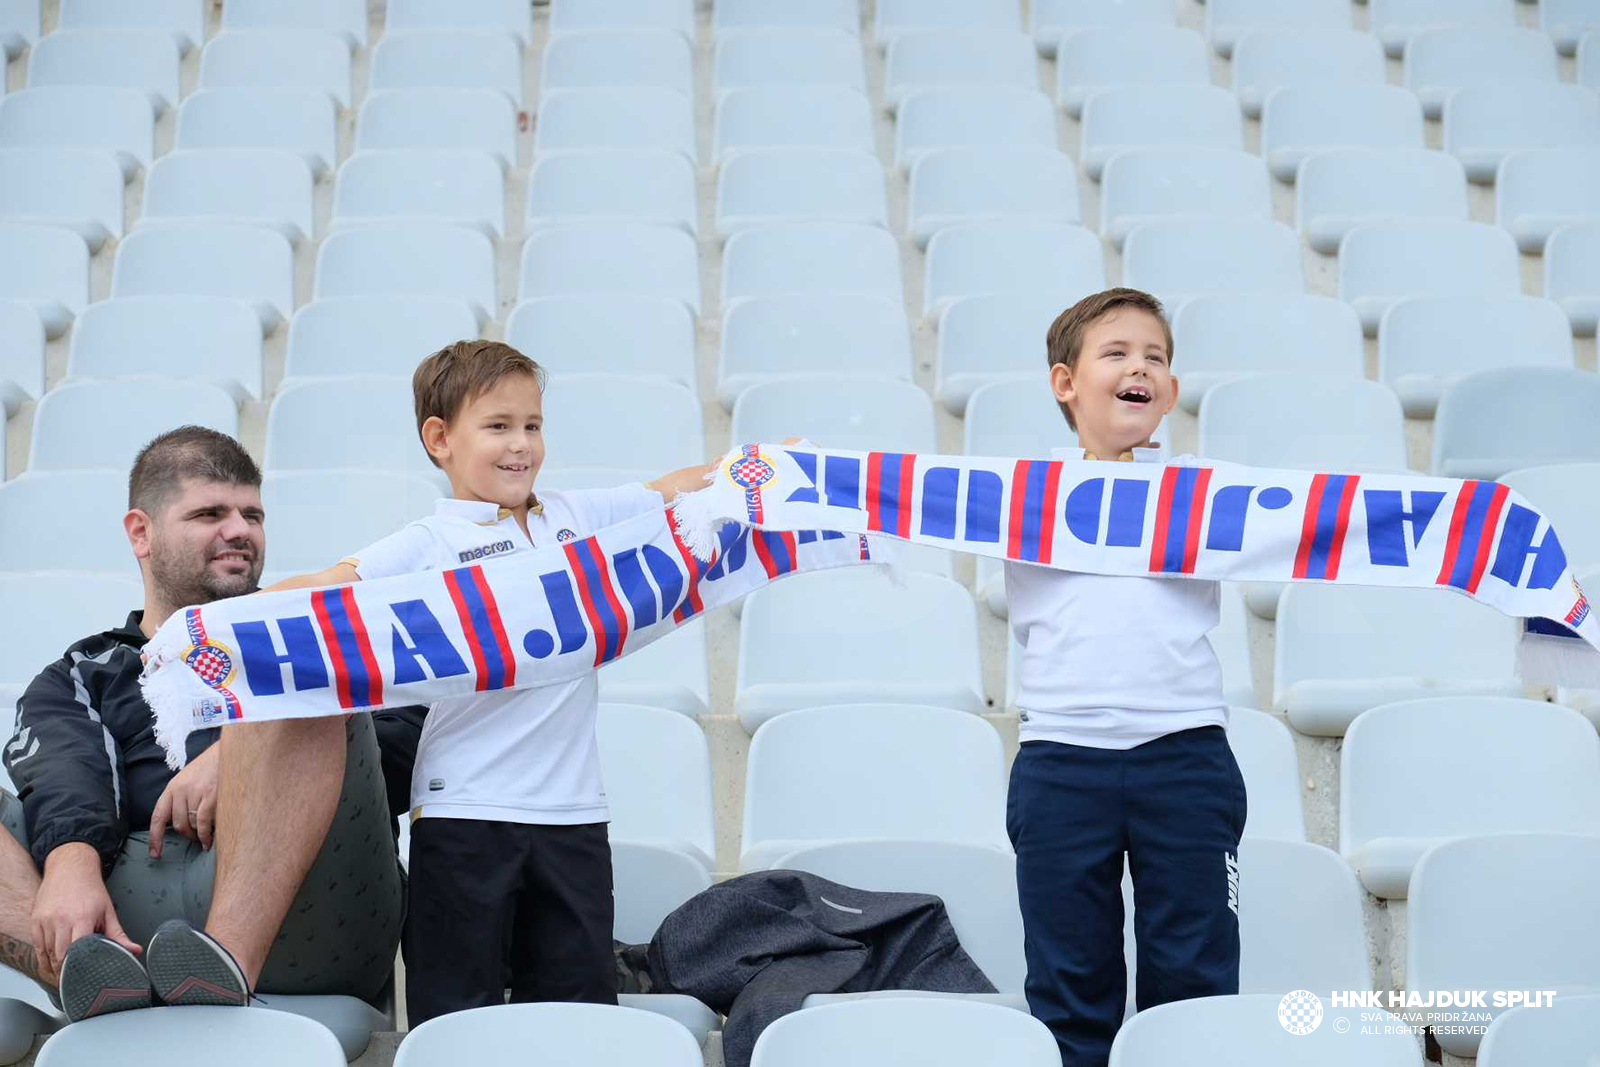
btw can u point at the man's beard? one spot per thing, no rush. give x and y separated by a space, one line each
180 583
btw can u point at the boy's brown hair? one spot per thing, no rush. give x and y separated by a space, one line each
1064 341
454 376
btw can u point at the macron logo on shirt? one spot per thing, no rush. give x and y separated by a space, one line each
482 551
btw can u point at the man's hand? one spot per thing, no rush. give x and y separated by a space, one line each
72 902
189 802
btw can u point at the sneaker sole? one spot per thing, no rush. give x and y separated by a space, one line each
186 968
100 977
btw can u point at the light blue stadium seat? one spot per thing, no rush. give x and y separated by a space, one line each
635 259
354 422
1569 1029
373 334
279 59
153 335
1485 123
254 186
81 116
1243 1031
579 1035
930 1031
19 26
464 59
943 56
1220 338
650 882
409 259
896 18
1104 57
1572 274
1439 62
32 537
1383 262
570 15
1001 116
647 336
1264 749
1001 257
302 121
480 120
773 186
1182 258
62 609
249 263
1396 22
1567 21
752 56
317 517
815 258
460 187
146 1038
21 355
125 414
963 186
1341 423
1569 495
1051 20
347 17
1164 116
76 188
991 337
46 267
772 338
1338 190
615 117
146 60
1265 60
495 16
1150 184
1298 120
861 414
657 766
792 116
1228 20
733 16
590 59
664 423
183 20
1501 420
1540 191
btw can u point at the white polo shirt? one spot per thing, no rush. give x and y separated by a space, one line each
1113 662
521 755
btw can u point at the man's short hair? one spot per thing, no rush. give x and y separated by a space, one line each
1064 341
187 452
454 376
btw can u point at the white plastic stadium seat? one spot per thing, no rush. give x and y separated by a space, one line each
1181 258
497 16
567 16
32 537
411 258
1051 20
1000 116
612 185
428 185
1412 774
183 20
254 186
373 334
657 766
1569 494
1572 274
648 336
155 334
1165 116
244 1039
21 354
670 672
347 17
732 17
246 263
814 258
1339 423
1148 184
870 770
591 59
448 60
839 334
1567 22
859 414
1540 191
78 188
1427 343
1243 1031
664 423
1395 22
650 882
1343 649
1533 929
958 186
62 610
792 116
778 185
19 26
1439 62
947 56
360 421
1220 338
1001 257
278 59
1567 1029
1299 120
1264 749
318 516
584 1035
1106 57
991 337
931 1031
1228 20
124 413
626 258
917 644
1383 262
1589 60
1501 420
302 121
129 59
895 18
621 117
784 55
1268 60
1280 883
48 268
81 116
479 120
1339 190
1483 124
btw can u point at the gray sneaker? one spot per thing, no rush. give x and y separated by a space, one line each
189 966
100 976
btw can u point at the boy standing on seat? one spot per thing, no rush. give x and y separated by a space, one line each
510 862
1124 749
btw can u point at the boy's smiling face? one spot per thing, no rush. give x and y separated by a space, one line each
493 448
1121 386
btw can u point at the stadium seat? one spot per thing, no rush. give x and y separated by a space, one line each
128 59
570 15
248 263
448 60
1567 21
767 55
1157 116
816 258
21 355
641 336
76 188
244 1038
650 882
1299 120
409 259
612 185
1267 60
1384 262
1395 22
597 59
373 334
479 120
1538 192
657 768
125 414
1051 20
869 770
1413 774
492 16
792 116
1239 1031
315 517
1484 124
1572 274
255 186
47 268
1589 60
1339 190
988 338
1220 338
33 537
1569 494
803 185
155 335
1229 20
859 414
1107 57
978 56
620 117
917 644
302 121
1281 882
183 20
583 412
963 186
1150 184
81 116
421 185
576 1035
347 17
1439 62
1011 257
1533 927
19 26
1343 649
1566 1030
1182 258
1427 343
357 422
929 1031
278 59
63 610
1501 420
897 18
635 259
1304 422
843 335
670 672
1001 116
1264 750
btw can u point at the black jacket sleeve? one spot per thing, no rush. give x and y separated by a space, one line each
67 768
